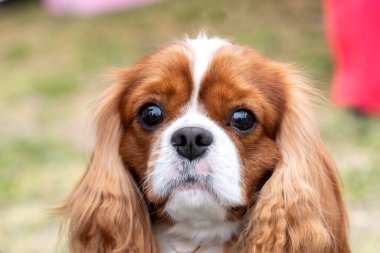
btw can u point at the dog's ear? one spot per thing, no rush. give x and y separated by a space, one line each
300 208
106 212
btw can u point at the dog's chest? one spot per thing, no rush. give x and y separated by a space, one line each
169 244
205 237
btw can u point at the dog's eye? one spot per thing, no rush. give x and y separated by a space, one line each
243 120
150 116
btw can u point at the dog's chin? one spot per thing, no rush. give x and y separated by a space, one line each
193 202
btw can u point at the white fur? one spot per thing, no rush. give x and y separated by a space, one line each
202 51
200 222
199 214
186 237
170 243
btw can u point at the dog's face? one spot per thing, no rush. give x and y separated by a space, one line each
200 119
213 142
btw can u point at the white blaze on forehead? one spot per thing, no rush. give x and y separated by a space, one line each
202 50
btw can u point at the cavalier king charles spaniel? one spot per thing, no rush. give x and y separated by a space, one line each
206 146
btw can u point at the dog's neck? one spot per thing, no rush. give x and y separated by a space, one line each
196 236
200 225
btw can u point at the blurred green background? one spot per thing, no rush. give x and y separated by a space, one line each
52 69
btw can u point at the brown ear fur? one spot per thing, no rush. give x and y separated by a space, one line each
300 208
105 211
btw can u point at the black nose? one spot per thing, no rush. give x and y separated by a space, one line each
191 142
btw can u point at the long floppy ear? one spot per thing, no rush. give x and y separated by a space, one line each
300 208
106 212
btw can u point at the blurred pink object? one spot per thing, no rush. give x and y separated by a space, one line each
353 29
91 7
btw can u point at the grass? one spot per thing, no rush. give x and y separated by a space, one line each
53 68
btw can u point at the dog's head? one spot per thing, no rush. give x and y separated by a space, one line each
206 127
199 122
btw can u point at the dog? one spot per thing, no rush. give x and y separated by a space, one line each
207 146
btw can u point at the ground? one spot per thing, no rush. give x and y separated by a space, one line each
52 70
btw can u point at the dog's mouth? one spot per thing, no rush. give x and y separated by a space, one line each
196 183
192 184
192 176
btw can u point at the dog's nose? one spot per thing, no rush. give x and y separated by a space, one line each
191 142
